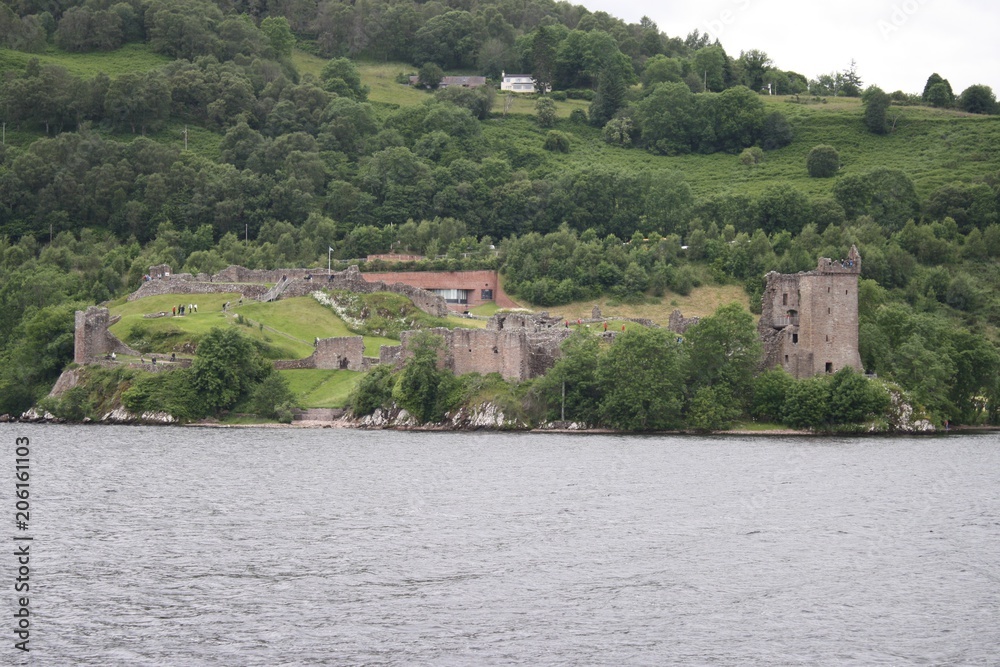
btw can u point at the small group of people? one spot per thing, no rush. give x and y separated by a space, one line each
189 308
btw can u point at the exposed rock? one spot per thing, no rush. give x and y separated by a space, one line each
122 416
903 418
4 418
33 415
67 380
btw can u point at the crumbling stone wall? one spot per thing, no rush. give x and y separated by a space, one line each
530 322
339 353
515 353
91 338
161 287
809 320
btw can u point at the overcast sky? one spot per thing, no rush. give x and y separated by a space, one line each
897 43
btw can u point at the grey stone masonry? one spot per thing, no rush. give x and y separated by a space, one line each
809 320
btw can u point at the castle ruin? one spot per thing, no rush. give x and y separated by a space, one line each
809 320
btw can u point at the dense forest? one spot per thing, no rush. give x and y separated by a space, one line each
96 185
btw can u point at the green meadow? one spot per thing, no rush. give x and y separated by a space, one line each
315 388
129 59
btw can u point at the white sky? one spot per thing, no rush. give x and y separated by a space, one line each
897 43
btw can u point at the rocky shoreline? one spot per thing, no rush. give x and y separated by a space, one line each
485 417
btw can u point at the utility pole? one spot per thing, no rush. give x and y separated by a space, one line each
4 140
185 137
246 239
562 415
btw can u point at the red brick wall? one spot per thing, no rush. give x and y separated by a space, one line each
474 281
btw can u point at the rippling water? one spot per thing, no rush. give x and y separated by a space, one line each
184 546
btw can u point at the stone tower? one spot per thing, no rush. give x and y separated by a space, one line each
809 320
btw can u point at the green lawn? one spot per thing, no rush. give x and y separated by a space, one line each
167 333
489 309
306 319
321 388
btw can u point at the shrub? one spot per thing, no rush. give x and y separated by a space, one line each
823 161
578 116
556 141
558 95
751 156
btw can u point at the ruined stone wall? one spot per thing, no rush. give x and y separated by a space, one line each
390 354
239 274
530 322
91 338
515 354
171 286
342 353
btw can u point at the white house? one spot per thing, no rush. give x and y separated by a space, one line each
517 83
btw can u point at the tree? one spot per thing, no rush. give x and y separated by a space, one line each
737 118
770 389
854 398
279 34
419 387
545 111
430 75
776 132
670 119
807 403
887 195
978 98
876 103
755 64
374 391
850 85
610 96
823 161
642 376
574 376
543 58
937 91
227 367
940 95
723 351
712 409
341 76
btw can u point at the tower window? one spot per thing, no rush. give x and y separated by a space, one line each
795 338
829 367
784 299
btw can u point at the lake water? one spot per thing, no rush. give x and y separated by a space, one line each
191 546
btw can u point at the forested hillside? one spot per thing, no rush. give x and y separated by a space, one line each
204 134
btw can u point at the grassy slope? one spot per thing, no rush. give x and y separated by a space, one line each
321 389
933 146
701 302
304 318
131 58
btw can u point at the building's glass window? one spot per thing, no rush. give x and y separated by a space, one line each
453 295
486 295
